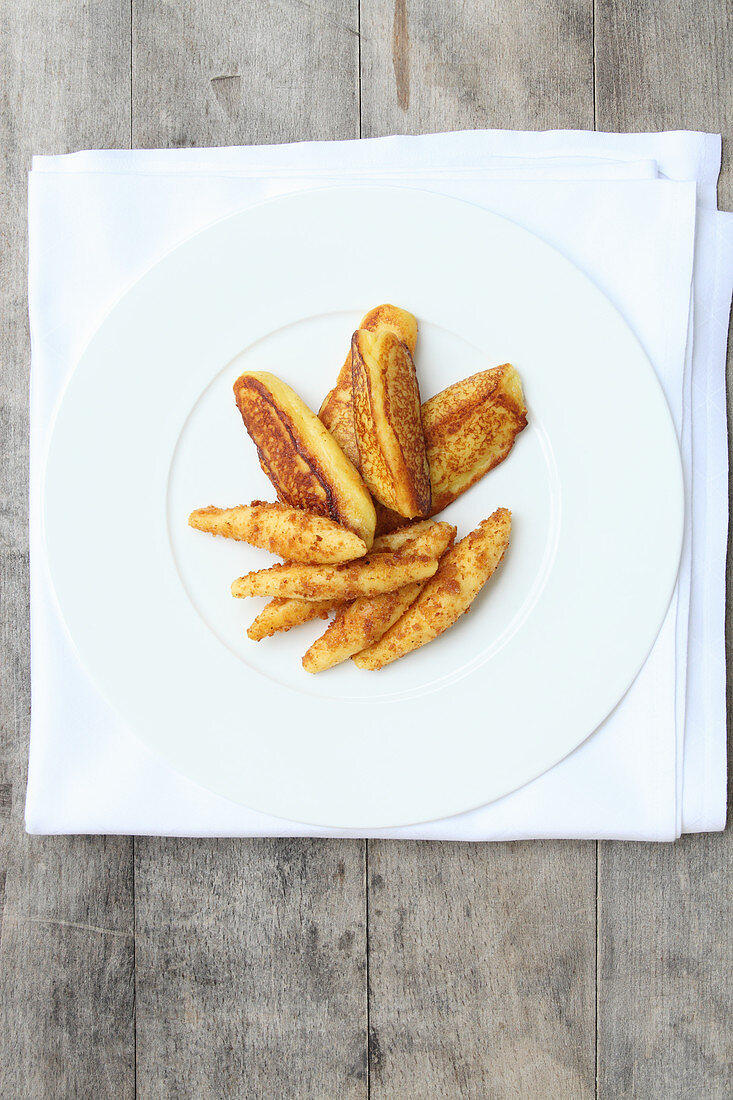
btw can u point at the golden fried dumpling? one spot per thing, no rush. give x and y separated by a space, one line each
462 573
470 427
289 532
301 458
337 411
363 622
366 576
388 423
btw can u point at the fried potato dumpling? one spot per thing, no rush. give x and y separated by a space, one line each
388 423
364 621
470 428
289 532
302 460
280 615
425 538
462 573
364 577
337 411
358 625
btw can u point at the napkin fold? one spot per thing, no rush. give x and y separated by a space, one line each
636 212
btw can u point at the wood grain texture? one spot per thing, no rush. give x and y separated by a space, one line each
251 957
514 64
251 969
665 988
67 964
214 73
662 66
481 957
67 949
665 960
481 970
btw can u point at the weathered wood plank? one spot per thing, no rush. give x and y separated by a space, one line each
247 73
662 66
66 968
665 997
665 963
481 970
525 64
251 956
66 955
482 957
251 969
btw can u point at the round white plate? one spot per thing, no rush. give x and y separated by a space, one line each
148 430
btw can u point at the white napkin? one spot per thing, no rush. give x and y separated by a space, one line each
634 212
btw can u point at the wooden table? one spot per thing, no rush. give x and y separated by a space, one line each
342 969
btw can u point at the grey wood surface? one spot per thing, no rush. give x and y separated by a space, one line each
184 968
482 970
250 969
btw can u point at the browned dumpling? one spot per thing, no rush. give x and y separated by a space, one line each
388 423
301 458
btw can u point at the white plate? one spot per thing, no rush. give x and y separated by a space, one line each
148 430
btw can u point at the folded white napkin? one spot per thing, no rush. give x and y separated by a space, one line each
637 212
